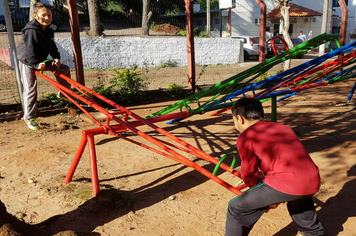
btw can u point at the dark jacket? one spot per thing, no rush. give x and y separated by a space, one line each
36 44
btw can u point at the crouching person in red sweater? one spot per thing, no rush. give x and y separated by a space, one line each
277 168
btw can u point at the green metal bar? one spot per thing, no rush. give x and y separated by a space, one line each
222 159
255 71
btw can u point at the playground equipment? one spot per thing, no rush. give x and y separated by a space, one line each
240 84
221 90
305 76
115 125
118 121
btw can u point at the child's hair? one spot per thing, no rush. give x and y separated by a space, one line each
249 108
39 5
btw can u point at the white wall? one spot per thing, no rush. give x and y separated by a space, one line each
125 52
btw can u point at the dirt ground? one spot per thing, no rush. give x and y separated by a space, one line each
144 193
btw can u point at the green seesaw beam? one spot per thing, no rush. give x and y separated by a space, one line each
234 83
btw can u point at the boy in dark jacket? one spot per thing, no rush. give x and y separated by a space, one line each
277 168
36 44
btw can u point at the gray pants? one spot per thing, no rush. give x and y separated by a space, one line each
244 211
29 83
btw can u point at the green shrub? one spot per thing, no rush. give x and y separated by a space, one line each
52 99
153 25
128 83
263 76
166 64
183 33
175 90
197 33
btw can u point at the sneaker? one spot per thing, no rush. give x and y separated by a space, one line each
32 124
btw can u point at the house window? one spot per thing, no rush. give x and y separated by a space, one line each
336 3
293 20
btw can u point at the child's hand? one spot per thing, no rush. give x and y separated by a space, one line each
41 66
56 62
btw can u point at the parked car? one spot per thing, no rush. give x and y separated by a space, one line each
20 18
280 46
251 45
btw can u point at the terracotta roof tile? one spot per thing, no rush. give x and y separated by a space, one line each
294 11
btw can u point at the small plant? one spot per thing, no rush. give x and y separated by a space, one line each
153 25
166 64
183 33
279 71
197 33
102 27
175 90
263 76
105 91
128 83
52 99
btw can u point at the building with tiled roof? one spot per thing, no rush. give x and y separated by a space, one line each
294 11
305 15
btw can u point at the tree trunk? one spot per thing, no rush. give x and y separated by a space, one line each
31 9
285 15
94 19
324 25
145 17
208 17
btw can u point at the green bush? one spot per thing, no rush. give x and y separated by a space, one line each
128 84
197 33
175 90
168 63
52 99
263 76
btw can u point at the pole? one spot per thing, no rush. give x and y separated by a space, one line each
10 35
324 25
190 44
344 16
208 17
229 21
343 28
262 42
77 49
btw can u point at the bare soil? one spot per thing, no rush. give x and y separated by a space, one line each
144 193
167 28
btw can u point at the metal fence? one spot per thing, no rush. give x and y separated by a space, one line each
119 19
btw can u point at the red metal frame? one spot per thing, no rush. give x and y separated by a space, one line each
274 47
122 125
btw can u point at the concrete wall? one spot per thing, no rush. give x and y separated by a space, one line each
125 52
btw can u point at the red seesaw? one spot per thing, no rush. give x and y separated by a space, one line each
122 124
